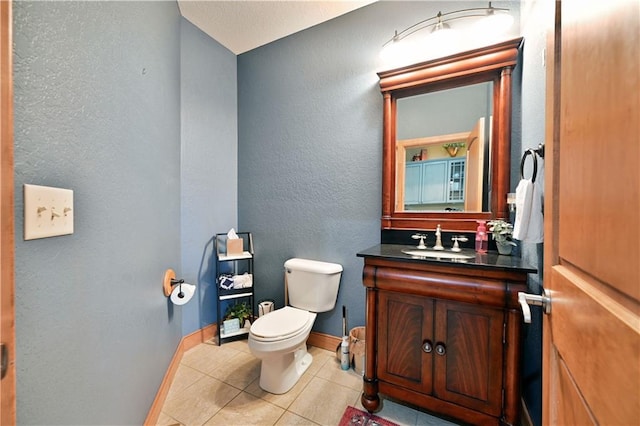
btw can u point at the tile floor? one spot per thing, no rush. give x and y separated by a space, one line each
218 385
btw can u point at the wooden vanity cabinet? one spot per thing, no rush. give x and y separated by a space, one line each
444 338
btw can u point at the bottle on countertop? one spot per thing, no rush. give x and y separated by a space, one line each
482 240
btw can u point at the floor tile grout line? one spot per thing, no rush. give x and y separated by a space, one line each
321 367
185 389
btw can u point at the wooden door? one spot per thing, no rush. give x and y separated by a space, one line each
7 332
591 348
405 324
468 349
474 173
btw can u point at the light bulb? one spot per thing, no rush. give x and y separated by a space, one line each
441 42
495 23
392 50
399 52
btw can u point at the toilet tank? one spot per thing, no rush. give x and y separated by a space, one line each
312 285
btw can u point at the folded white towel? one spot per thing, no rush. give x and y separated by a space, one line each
529 222
524 198
535 231
243 281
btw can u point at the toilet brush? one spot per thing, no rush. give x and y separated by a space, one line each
344 346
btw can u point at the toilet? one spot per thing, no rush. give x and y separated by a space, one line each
279 338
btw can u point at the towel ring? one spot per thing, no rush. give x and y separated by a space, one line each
533 155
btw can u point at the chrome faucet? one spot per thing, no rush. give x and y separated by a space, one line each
420 237
438 245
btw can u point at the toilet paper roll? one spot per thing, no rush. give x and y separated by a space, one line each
181 294
265 307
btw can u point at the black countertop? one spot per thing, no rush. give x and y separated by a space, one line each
490 260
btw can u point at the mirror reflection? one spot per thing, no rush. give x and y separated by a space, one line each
443 143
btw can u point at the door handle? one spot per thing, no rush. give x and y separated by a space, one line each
526 299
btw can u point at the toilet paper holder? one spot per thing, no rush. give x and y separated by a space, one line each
170 282
178 291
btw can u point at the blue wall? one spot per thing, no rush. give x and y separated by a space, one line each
310 151
310 147
537 18
209 166
98 109
137 110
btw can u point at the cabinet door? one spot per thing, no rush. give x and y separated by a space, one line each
405 324
468 356
413 183
456 181
434 182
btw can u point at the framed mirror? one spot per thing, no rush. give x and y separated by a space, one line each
446 140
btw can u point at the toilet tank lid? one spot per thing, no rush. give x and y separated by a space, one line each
313 266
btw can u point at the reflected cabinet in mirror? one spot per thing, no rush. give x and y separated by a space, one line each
447 129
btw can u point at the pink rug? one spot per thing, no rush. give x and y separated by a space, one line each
352 417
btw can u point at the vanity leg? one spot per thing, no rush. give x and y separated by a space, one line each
370 399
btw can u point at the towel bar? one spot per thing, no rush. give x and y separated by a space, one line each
534 153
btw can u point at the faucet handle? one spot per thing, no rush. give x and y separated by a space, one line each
420 237
455 240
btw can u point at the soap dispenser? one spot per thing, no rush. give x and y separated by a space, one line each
482 240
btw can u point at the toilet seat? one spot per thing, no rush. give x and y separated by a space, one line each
280 324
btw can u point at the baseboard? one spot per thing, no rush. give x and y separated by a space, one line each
199 336
161 395
525 419
324 341
187 342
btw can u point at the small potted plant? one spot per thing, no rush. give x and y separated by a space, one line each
502 232
240 311
452 148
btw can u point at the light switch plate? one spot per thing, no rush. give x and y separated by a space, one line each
48 212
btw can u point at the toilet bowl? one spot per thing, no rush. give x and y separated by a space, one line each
279 338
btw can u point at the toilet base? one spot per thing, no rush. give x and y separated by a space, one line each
278 374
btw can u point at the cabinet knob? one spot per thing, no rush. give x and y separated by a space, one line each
426 346
441 349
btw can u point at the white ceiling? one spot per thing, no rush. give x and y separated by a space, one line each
242 25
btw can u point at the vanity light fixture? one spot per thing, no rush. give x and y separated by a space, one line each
490 22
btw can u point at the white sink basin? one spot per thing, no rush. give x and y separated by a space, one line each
437 254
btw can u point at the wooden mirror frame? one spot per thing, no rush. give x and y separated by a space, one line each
492 63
